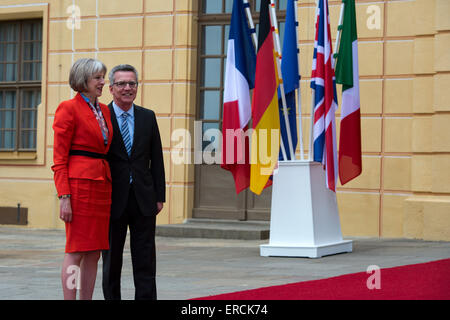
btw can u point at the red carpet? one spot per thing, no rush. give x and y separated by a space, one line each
424 281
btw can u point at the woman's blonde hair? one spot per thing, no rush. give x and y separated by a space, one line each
82 70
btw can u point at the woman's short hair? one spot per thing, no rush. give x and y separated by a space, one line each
82 70
121 67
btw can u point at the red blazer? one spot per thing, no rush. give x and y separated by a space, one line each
76 128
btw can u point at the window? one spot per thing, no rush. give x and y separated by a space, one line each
20 83
214 27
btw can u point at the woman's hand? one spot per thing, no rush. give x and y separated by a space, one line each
65 210
159 207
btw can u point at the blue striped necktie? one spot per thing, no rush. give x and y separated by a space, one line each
125 132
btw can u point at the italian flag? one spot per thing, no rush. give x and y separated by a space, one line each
347 74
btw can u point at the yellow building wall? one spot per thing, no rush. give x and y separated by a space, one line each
404 59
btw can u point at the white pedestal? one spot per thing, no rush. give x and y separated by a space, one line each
304 218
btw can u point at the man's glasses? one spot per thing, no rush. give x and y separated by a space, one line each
123 84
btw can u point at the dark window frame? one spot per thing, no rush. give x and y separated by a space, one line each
21 87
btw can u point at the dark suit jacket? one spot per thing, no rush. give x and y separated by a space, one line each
145 164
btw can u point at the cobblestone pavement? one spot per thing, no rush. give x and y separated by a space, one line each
30 264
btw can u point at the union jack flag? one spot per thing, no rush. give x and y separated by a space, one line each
325 98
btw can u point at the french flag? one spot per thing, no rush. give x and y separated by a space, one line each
239 79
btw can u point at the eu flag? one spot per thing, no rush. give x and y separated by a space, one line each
291 79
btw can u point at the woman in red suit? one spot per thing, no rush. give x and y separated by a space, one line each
82 136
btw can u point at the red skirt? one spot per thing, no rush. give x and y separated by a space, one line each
91 206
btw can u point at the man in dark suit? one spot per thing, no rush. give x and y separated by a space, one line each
138 187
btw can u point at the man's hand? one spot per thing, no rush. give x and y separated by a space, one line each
159 207
65 210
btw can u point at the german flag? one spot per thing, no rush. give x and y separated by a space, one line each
265 114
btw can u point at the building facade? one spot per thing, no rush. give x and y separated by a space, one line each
179 50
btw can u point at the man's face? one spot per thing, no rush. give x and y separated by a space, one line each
122 90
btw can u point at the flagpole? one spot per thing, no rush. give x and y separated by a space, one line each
338 37
277 48
255 42
338 34
250 22
311 127
298 92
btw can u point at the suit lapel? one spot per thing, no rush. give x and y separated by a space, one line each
137 128
108 124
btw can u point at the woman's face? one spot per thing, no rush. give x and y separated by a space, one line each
95 84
